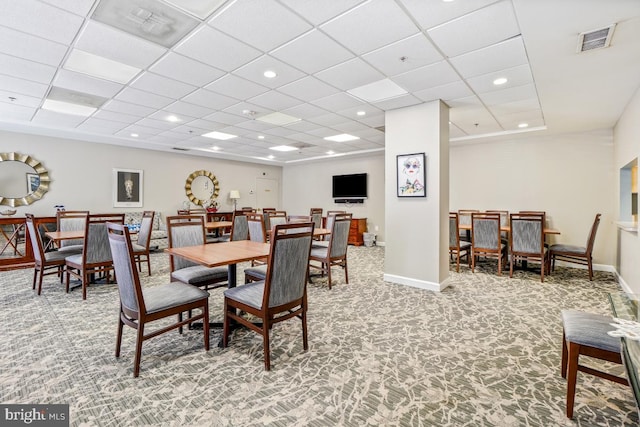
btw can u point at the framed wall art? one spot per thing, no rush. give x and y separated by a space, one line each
127 188
411 172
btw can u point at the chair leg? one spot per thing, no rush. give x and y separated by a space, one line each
265 340
563 367
511 266
205 324
149 264
572 366
40 282
119 334
590 266
305 342
136 361
225 328
346 272
67 281
329 273
35 275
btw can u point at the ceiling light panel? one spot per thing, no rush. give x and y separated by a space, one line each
219 135
283 148
67 108
151 20
378 91
74 97
86 83
97 66
341 138
278 119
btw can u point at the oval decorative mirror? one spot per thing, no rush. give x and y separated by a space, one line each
23 179
202 186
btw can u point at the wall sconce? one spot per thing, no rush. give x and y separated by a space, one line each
234 195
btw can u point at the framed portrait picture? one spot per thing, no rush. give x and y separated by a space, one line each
33 182
127 188
411 172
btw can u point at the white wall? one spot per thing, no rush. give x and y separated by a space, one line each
627 148
308 185
81 174
571 177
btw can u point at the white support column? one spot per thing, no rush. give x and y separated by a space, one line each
417 228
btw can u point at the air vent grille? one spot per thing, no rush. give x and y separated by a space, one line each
596 39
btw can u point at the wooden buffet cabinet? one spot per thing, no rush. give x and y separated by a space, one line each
358 226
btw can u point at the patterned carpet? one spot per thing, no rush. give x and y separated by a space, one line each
485 352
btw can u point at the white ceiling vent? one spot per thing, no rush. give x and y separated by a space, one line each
595 39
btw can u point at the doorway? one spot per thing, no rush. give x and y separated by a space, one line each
267 193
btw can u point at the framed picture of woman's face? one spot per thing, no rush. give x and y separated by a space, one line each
127 188
411 172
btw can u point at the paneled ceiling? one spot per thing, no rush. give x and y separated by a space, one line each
161 74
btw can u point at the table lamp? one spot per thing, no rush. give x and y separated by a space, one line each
234 195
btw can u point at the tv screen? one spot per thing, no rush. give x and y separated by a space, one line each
354 185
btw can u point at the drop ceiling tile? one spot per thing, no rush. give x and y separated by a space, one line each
186 70
416 51
93 124
305 111
160 85
302 52
374 121
264 25
204 125
115 116
40 19
161 125
398 102
455 132
22 87
187 109
308 89
57 120
110 43
225 118
514 107
141 130
306 137
427 77
351 74
328 119
274 100
146 99
511 94
350 127
339 101
24 69
517 76
254 125
279 131
127 108
482 28
301 126
239 108
29 47
208 99
22 100
85 83
11 112
79 7
216 49
429 14
254 71
507 54
236 87
511 121
457 89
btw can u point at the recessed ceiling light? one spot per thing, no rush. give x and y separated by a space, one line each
331 152
219 135
283 148
97 66
215 148
523 125
173 119
361 113
500 81
260 136
271 156
135 135
278 119
270 74
68 108
343 137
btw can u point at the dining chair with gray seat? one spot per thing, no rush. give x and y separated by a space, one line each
324 240
141 246
71 221
141 306
283 293
576 254
526 241
335 254
457 248
44 262
485 239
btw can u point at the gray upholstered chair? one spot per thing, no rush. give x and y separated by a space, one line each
457 248
95 258
44 262
240 229
576 254
485 239
316 216
139 306
283 293
335 254
526 241
141 246
586 334
276 218
331 215
464 218
71 221
188 230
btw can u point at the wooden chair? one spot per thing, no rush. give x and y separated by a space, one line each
485 239
141 246
464 218
248 209
504 222
71 221
576 254
335 254
95 258
188 230
526 240
457 248
299 218
283 293
240 229
316 216
586 334
139 306
44 262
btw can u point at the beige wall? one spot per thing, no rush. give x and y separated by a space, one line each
627 148
81 174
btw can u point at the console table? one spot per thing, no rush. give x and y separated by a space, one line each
358 226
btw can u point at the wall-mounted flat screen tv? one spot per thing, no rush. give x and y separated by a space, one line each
354 185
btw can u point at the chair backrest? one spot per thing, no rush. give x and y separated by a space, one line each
275 218
299 218
504 216
240 229
146 225
316 217
248 209
184 230
288 264
96 248
527 233
454 231
485 230
34 236
464 216
339 235
71 221
257 232
592 235
331 216
315 210
335 212
129 289
197 211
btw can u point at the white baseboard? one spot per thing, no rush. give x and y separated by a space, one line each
414 283
596 267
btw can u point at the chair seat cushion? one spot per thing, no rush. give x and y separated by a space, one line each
578 250
162 297
74 259
138 248
200 275
464 245
55 256
259 272
249 294
319 252
589 329
70 250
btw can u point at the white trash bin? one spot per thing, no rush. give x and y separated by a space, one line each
369 239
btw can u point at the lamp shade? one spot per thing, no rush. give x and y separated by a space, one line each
234 194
